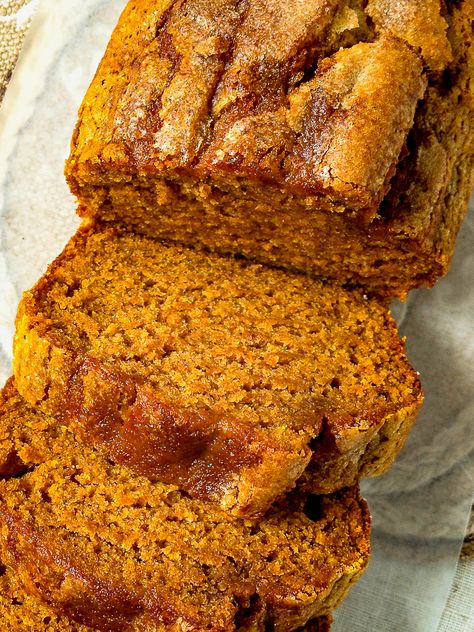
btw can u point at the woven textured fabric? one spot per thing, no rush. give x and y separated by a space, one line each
459 612
15 19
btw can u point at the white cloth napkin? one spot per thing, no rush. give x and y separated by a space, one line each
421 506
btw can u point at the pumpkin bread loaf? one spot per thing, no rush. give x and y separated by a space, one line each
226 378
115 551
333 137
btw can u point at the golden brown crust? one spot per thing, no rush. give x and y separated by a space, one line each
252 90
319 143
117 552
420 23
409 245
211 373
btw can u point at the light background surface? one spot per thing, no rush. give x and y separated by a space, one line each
421 507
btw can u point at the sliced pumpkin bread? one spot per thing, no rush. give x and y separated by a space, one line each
226 378
114 551
21 612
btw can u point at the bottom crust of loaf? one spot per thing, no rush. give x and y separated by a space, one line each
370 455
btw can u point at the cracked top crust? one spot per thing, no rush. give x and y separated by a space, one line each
314 98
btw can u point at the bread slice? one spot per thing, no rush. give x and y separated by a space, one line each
21 612
226 378
115 551
289 132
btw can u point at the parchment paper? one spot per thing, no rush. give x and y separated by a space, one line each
421 506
